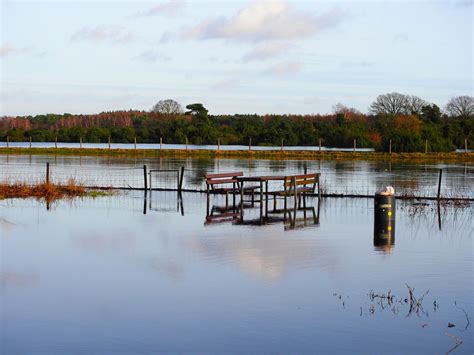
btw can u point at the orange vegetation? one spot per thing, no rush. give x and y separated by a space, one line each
49 192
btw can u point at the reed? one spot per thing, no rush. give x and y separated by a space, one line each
49 192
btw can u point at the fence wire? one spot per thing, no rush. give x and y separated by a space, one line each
342 178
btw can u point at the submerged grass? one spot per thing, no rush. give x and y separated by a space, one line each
49 192
248 154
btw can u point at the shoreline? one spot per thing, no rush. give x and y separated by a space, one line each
246 154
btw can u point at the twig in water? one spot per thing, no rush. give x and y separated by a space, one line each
468 322
416 305
457 341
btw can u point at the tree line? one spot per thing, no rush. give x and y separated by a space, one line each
406 122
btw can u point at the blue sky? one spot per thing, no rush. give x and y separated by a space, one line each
233 56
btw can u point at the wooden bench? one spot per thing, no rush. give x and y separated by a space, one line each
297 186
226 183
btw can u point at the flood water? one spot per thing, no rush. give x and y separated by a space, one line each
123 274
337 177
173 146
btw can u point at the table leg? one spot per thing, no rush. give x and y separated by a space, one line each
266 198
241 201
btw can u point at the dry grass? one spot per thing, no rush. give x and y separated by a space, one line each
49 192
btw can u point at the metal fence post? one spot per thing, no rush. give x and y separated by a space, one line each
145 180
47 173
439 183
180 186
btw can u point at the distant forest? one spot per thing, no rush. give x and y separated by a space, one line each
405 120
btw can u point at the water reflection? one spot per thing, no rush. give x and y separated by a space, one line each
338 177
149 279
257 213
6 225
172 203
384 222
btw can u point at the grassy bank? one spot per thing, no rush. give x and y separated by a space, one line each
246 154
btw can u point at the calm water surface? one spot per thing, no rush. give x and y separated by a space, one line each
173 146
339 177
100 276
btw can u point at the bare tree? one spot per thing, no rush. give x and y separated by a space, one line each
415 104
390 104
461 106
341 108
168 106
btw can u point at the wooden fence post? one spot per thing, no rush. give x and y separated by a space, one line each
282 140
465 145
426 146
180 186
218 144
109 142
250 143
30 141
8 141
319 144
390 147
56 142
355 145
80 142
186 143
161 143
135 143
439 183
47 173
145 179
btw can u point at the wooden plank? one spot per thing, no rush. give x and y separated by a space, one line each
223 175
302 182
220 181
290 192
304 176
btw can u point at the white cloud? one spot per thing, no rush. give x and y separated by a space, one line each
264 20
400 37
226 84
356 64
6 49
266 51
285 68
152 55
104 33
171 7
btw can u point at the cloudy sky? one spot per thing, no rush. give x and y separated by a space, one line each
278 56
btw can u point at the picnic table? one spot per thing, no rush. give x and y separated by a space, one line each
262 180
294 185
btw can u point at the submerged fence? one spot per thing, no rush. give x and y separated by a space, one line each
359 180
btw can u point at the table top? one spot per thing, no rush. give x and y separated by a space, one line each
260 178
